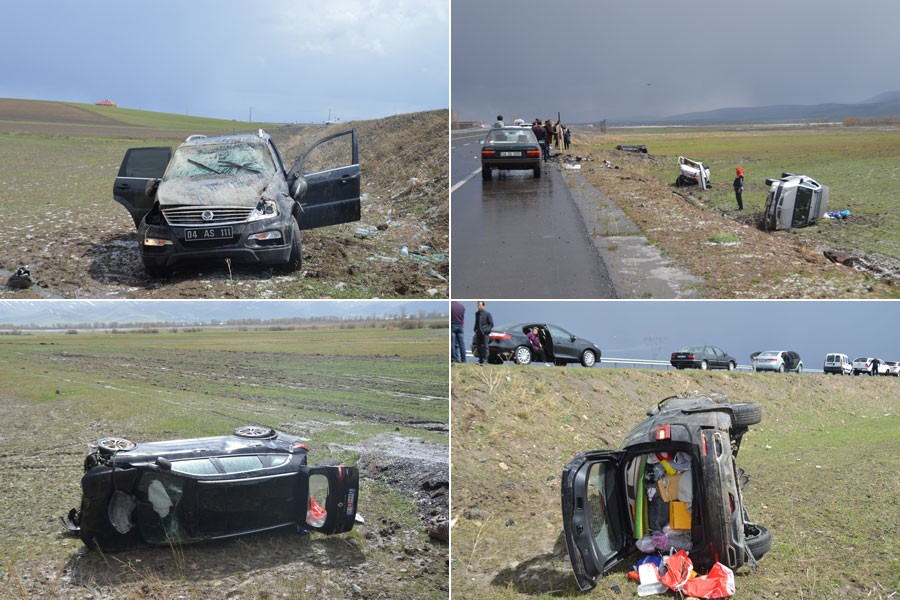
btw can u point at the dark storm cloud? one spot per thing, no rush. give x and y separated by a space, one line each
592 60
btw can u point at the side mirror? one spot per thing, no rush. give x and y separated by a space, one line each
152 186
573 338
163 463
298 188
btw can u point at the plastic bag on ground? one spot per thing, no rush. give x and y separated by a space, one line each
679 569
718 583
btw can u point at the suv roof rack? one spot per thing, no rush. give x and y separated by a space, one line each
196 136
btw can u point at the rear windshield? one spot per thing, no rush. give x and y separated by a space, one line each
208 160
768 354
511 136
861 359
700 349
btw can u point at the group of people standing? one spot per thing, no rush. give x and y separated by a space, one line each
484 322
547 132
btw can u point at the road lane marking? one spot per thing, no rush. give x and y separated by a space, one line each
464 181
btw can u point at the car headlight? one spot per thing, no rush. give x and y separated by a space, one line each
266 209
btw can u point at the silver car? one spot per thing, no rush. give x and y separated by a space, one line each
794 201
777 360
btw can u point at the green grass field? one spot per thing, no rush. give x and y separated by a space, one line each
861 167
822 464
338 389
158 120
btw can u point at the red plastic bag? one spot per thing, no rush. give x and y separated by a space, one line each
679 571
718 583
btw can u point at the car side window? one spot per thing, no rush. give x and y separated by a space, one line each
195 466
240 464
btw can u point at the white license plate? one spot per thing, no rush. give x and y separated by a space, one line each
208 233
510 154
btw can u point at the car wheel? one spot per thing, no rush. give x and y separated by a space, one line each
744 414
588 358
295 259
731 366
254 432
704 365
781 368
758 539
111 445
485 174
537 172
800 368
522 355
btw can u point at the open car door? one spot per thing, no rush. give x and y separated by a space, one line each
331 171
595 515
332 496
139 166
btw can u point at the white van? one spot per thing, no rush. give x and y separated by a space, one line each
794 201
837 363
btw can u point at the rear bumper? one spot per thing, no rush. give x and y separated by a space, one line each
509 164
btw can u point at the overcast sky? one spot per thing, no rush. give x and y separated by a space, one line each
290 60
616 59
654 329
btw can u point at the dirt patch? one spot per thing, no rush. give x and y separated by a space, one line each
50 112
733 257
79 243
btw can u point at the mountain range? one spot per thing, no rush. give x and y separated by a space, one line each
883 105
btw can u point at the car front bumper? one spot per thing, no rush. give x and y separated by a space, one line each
239 247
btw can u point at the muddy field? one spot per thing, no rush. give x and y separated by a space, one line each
59 218
385 413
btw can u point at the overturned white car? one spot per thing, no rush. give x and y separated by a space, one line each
692 173
794 201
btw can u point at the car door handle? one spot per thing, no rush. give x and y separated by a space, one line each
123 186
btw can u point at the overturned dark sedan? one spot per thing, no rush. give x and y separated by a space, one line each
673 484
232 197
182 491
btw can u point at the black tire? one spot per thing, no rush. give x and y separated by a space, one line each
745 414
296 258
731 365
522 355
704 366
254 432
485 174
800 368
588 358
537 172
111 445
781 368
758 539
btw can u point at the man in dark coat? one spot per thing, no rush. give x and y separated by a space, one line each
739 187
541 134
484 322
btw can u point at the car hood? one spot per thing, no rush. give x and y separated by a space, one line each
233 190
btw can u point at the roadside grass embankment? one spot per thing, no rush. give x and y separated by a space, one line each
822 463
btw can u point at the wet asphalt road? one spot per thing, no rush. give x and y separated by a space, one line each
516 236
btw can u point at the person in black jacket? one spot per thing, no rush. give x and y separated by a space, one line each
484 322
541 134
739 187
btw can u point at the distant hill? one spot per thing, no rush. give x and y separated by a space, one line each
883 105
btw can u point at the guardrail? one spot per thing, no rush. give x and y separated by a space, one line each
640 363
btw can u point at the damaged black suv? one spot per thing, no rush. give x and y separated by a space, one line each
231 197
181 491
674 484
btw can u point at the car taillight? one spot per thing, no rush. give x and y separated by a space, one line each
664 433
533 153
488 153
691 356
